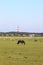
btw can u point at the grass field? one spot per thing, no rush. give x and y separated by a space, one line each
29 54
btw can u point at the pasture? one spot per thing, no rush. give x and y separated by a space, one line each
29 54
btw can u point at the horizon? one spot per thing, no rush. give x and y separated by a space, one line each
20 32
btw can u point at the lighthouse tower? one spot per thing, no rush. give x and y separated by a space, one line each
18 28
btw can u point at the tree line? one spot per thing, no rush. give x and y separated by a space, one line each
21 34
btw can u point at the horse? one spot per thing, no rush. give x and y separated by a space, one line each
35 40
21 41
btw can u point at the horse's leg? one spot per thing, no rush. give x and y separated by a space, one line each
24 43
18 42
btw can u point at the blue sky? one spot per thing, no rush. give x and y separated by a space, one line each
27 14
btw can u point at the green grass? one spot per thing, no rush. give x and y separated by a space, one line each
29 54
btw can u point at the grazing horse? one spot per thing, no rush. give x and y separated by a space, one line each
35 40
21 41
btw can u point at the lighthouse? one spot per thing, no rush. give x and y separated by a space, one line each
18 28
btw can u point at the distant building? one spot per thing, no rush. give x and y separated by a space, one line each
31 35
